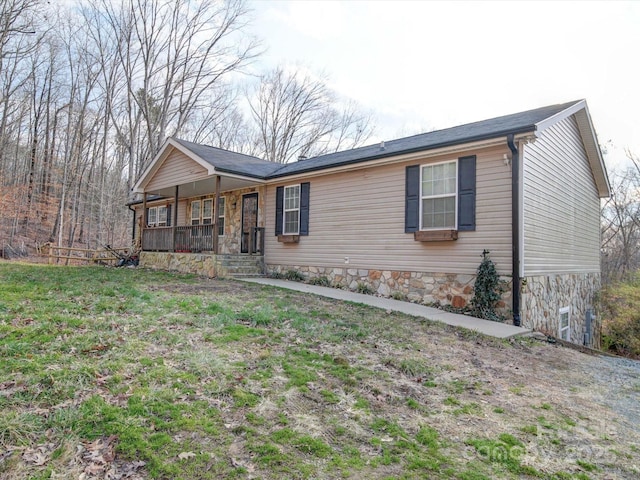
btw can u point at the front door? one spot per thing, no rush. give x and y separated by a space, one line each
249 222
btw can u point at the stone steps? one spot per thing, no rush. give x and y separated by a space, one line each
241 265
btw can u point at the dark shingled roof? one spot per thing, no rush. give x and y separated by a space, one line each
231 162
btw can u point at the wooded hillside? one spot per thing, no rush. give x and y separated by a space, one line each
90 90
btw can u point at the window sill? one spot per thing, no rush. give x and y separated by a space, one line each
435 235
288 238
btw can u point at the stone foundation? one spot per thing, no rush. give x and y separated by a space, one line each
544 296
200 264
455 290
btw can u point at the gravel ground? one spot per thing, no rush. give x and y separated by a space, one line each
620 381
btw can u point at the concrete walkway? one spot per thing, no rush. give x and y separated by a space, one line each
494 329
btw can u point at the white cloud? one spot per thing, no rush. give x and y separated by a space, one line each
425 65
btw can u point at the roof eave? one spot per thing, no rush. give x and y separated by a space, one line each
477 138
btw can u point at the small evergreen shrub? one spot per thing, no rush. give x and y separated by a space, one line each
487 291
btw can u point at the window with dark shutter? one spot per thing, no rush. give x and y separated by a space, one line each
437 211
292 212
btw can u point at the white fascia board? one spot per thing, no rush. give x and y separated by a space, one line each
552 120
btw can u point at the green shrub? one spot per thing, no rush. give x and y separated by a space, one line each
364 288
487 291
321 281
294 276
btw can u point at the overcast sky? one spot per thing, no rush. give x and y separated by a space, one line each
424 65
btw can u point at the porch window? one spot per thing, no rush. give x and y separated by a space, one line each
157 216
207 211
221 217
291 210
202 213
564 330
439 196
162 216
195 212
152 216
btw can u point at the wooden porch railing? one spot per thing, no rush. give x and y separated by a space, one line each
188 238
192 238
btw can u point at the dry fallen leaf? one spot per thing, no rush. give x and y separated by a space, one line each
186 455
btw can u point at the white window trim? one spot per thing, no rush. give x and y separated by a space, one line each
455 195
201 218
210 217
191 217
285 210
160 223
220 214
155 216
566 329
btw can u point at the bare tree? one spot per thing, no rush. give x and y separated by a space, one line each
175 57
296 115
621 227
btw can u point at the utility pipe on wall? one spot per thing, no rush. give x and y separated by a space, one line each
515 229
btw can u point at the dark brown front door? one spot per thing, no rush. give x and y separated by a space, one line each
249 222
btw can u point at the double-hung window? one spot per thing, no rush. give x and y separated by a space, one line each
291 210
202 213
439 194
195 212
157 216
221 217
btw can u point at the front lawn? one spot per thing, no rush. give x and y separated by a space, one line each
129 373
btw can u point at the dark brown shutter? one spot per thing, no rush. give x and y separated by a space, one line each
279 209
304 208
467 193
412 199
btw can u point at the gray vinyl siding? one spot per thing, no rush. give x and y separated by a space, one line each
177 169
561 204
360 215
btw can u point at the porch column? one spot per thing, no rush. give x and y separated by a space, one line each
216 214
143 223
175 220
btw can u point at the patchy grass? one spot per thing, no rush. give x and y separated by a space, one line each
129 373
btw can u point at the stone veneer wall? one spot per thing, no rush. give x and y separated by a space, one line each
420 287
544 296
198 263
230 243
